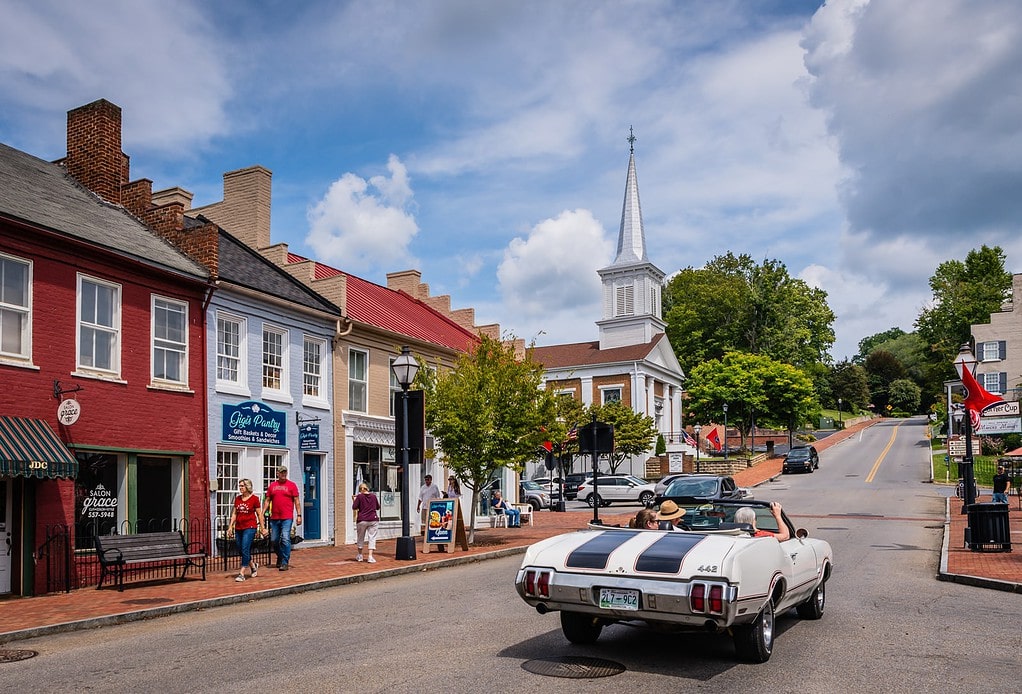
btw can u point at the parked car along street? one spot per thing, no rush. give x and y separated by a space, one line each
619 488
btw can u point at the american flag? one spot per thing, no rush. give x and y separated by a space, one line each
573 432
689 440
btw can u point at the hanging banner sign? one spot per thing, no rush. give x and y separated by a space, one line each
1000 425
308 437
254 423
68 412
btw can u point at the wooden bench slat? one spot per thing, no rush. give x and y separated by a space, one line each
115 552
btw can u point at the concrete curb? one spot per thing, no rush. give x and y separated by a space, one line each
975 581
154 612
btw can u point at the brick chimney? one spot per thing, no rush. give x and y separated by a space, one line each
94 156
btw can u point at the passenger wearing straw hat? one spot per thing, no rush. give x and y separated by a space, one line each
669 515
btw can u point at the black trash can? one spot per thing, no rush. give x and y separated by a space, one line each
988 528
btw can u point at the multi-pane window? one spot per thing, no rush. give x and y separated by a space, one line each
15 311
271 461
611 395
170 340
229 360
358 380
99 325
274 346
992 351
227 476
312 368
395 387
996 382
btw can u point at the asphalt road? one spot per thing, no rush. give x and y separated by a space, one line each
889 626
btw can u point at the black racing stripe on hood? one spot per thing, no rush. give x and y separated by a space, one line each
666 554
595 553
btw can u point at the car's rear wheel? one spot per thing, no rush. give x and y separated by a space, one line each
591 500
813 607
580 628
646 498
755 642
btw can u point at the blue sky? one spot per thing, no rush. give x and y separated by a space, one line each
484 143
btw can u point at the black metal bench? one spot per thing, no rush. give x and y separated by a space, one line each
118 553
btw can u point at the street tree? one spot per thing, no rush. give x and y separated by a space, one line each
634 433
849 382
868 344
963 293
758 390
882 369
904 395
733 304
487 413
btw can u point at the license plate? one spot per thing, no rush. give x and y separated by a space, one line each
614 599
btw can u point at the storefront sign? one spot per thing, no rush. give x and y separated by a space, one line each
99 505
1002 409
254 423
68 412
308 437
1000 425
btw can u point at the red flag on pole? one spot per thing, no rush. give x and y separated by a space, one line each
714 438
978 397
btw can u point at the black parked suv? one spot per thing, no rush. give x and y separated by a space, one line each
801 459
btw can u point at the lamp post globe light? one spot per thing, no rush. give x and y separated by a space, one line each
404 368
697 429
725 432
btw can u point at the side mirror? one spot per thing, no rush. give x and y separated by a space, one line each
801 533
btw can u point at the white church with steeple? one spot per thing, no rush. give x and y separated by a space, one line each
632 360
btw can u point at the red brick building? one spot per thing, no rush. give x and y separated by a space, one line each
95 308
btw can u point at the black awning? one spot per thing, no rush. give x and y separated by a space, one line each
30 448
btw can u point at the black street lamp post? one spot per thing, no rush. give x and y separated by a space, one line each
966 360
840 417
697 429
725 432
405 367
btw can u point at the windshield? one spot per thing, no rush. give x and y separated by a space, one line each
798 453
690 487
532 486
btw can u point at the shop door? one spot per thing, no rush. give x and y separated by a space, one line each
311 521
154 509
6 540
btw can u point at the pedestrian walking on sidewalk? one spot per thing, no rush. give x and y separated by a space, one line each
246 521
1002 483
367 506
282 503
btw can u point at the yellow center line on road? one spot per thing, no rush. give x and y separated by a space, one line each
883 454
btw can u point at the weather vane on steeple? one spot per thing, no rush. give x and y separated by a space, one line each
631 140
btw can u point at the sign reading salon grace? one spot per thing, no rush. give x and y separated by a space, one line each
254 423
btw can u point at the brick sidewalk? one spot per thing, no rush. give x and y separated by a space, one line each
319 567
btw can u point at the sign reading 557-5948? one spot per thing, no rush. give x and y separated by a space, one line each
254 423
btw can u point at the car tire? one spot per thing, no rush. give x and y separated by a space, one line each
591 500
534 503
581 629
646 498
813 607
755 642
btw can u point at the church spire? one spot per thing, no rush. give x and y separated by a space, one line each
631 239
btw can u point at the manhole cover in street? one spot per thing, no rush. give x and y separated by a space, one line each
573 667
10 656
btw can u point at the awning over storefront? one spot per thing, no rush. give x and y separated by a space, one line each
30 448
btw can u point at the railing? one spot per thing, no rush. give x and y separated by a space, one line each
69 559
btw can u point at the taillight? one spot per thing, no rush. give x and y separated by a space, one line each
543 584
697 598
530 582
717 599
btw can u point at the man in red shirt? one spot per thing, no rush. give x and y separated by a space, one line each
281 501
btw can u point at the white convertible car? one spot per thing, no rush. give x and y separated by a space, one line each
713 577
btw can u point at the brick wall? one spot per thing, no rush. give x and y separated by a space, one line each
94 156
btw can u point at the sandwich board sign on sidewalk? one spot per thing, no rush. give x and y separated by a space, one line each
444 525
